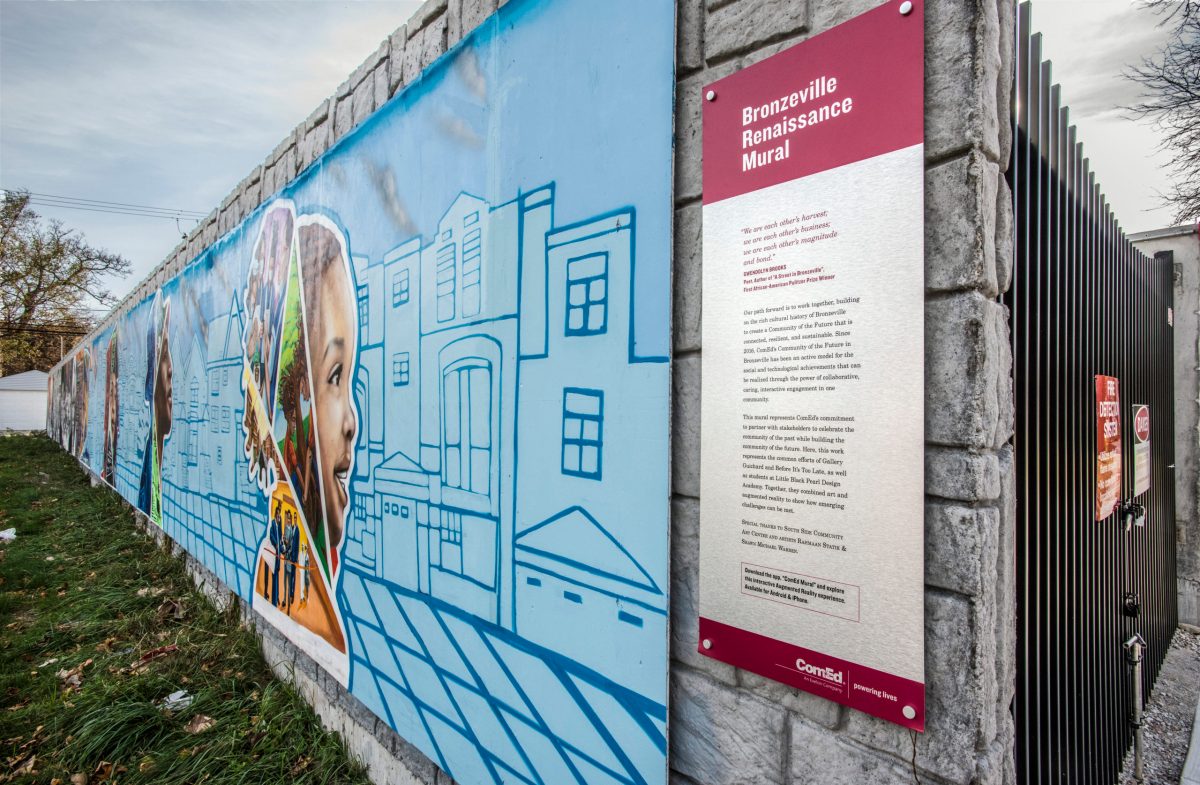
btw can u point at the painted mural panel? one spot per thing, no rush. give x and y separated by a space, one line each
415 408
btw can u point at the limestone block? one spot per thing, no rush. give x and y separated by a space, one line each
362 101
959 672
463 16
820 756
689 31
254 191
379 80
1006 22
395 64
685 588
687 287
685 425
319 115
424 47
960 547
343 118
428 11
961 475
688 150
826 15
723 736
286 169
960 225
965 356
433 41
316 142
962 65
738 26
407 758
1004 235
813 707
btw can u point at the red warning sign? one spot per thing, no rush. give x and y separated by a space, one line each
1108 445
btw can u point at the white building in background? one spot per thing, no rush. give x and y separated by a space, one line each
23 401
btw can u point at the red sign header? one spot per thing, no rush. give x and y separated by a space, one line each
836 98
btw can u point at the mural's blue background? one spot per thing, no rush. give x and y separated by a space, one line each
505 566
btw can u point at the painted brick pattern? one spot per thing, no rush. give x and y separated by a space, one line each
729 726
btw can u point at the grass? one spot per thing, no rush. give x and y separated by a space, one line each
83 595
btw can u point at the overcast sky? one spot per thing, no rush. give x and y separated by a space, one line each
171 104
167 104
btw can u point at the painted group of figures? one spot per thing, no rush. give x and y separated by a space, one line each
291 556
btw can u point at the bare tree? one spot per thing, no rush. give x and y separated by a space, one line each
47 275
1171 97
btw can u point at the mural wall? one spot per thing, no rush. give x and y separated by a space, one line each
415 408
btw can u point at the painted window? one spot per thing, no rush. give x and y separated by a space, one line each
446 281
467 425
401 366
400 288
471 258
583 433
362 310
587 294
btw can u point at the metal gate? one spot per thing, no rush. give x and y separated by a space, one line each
1084 302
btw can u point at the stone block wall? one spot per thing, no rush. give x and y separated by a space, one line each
726 725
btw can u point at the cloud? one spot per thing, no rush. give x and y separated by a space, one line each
168 104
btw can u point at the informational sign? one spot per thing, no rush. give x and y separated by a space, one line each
1108 445
812 520
1141 449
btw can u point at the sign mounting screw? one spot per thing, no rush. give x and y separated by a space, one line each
707 643
905 10
908 711
711 95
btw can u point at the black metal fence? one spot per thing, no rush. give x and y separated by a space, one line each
1084 302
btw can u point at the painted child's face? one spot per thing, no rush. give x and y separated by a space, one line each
163 392
331 352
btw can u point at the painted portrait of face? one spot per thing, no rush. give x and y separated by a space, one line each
111 417
79 439
163 391
330 321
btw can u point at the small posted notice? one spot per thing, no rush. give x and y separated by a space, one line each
1141 449
812 501
1108 445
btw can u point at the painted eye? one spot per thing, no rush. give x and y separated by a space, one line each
335 376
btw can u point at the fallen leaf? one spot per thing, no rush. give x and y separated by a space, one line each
79 779
72 678
26 767
170 609
106 644
144 661
146 591
200 723
302 764
103 772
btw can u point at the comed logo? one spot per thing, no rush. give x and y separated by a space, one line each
830 675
